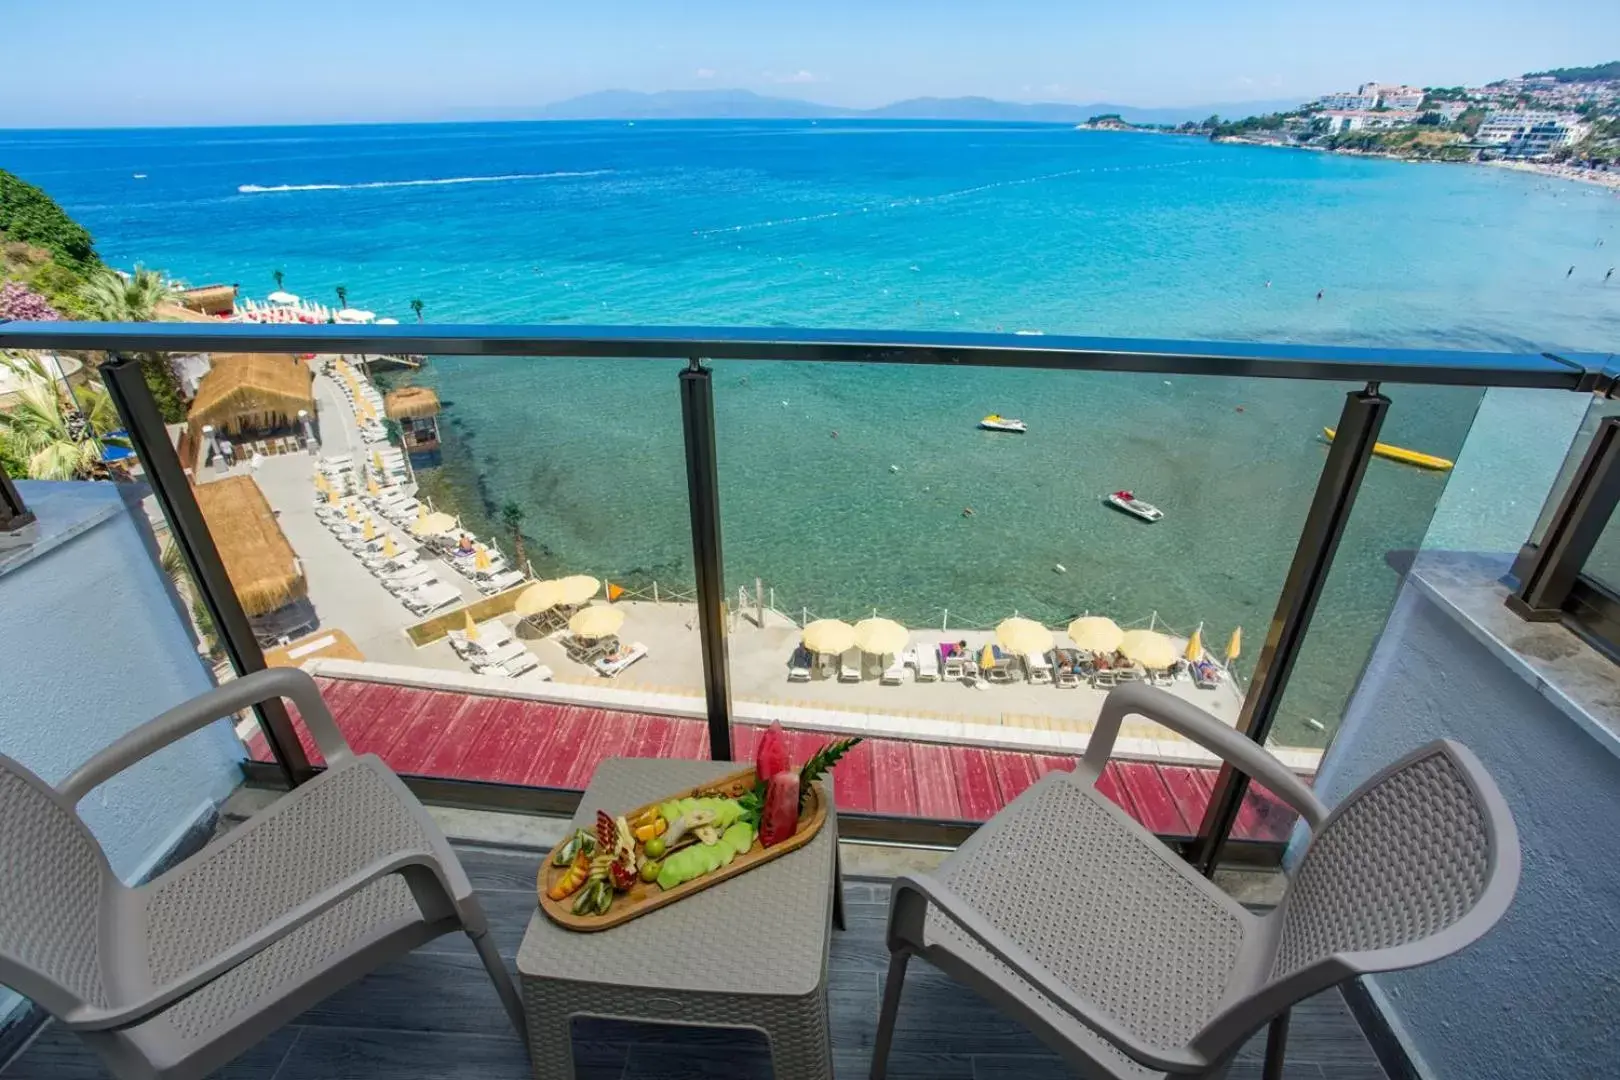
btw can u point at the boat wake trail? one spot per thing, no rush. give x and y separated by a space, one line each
928 200
257 189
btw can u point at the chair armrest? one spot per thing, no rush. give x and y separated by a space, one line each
199 712
1032 971
1187 719
410 863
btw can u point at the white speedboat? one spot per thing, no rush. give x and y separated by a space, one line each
997 422
1127 503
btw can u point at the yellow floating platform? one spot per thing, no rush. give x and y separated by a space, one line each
1403 455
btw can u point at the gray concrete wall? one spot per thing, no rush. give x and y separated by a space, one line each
1537 997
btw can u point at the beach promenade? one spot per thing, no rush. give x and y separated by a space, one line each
668 678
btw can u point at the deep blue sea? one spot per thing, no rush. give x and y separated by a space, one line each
912 226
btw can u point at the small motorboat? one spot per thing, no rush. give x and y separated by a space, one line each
1127 503
997 422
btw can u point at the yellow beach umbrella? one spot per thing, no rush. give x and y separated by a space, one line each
320 483
433 525
576 589
1234 647
371 487
421 512
1149 648
481 557
987 659
828 636
471 628
376 458
331 498
881 637
1023 637
389 550
596 621
1095 634
370 532
541 596
351 513
1195 647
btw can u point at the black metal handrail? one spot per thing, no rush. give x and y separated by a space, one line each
1313 558
1334 363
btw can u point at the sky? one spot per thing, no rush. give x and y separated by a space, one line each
75 63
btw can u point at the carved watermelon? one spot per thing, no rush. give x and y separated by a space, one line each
780 816
772 755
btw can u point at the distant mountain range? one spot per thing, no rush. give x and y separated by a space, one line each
747 105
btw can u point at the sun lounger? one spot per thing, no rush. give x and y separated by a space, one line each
610 665
491 636
799 665
382 567
1205 675
501 582
484 662
927 664
1067 678
337 461
894 674
432 598
849 666
1104 678
363 547
953 664
524 664
402 513
1038 669
413 580
1002 671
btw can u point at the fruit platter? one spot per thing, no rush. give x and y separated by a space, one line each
638 860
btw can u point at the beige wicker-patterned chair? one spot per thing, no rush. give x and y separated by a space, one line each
176 977
1074 920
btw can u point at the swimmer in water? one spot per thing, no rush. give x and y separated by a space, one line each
1609 275
967 511
1568 272
1268 283
835 434
1319 293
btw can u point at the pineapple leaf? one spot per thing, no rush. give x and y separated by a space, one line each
819 763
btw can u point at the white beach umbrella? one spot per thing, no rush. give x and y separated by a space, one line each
279 297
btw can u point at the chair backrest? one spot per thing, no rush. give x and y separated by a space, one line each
51 895
1415 864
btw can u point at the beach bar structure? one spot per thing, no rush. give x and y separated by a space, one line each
264 571
252 395
416 410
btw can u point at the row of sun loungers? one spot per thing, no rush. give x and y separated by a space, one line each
496 652
1063 668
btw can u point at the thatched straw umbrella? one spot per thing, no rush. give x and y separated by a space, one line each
262 567
253 392
411 403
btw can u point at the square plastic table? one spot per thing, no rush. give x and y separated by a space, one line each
750 952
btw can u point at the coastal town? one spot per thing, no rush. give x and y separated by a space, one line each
1565 121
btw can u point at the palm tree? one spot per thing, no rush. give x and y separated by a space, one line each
416 306
279 276
110 297
45 433
512 518
343 296
179 574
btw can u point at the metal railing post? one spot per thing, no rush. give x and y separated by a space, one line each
1574 531
1336 491
126 385
703 498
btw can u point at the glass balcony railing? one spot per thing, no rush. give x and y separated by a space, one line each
514 551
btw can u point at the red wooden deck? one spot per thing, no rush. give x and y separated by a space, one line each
546 744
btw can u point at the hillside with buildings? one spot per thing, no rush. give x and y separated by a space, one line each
1568 117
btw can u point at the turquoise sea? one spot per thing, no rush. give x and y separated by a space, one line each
844 488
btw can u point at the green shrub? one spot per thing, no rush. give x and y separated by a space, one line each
30 216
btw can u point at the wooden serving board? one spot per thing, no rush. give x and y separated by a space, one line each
646 896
